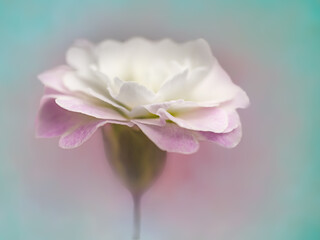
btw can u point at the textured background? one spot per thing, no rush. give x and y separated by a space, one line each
266 188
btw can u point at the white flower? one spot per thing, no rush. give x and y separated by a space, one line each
177 94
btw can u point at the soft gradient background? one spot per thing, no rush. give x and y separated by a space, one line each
266 188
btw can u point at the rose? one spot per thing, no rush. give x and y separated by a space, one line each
176 94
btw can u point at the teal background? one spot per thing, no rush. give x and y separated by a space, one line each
266 188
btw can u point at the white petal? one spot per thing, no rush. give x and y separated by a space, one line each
181 85
216 87
199 51
134 60
177 106
80 55
77 84
201 119
133 95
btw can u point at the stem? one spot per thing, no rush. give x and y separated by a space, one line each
136 216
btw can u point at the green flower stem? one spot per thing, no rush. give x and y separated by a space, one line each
136 216
136 161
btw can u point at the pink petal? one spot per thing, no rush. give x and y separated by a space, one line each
83 131
53 78
74 104
199 119
233 121
53 120
171 137
51 92
80 134
229 140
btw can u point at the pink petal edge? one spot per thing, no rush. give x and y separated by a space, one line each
228 140
80 134
74 104
52 120
54 78
170 137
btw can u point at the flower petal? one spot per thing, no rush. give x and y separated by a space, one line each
80 56
85 107
229 140
151 121
199 119
54 78
199 51
79 85
80 134
233 121
217 87
179 86
52 120
171 137
133 95
83 131
177 106
76 83
172 88
134 60
240 100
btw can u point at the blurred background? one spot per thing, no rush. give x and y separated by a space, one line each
266 188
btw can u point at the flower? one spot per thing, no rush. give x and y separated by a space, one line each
177 94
